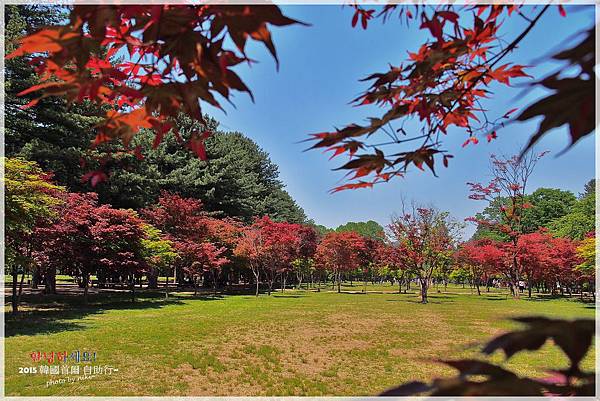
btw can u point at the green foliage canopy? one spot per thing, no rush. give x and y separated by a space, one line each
29 199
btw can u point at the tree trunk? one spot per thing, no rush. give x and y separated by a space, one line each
214 274
339 282
101 278
153 278
15 302
167 287
283 280
35 278
132 286
179 277
514 288
516 278
320 281
50 282
423 291
85 288
21 287
257 278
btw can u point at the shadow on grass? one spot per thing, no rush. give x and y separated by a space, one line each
550 297
429 301
441 296
371 292
47 314
52 313
587 302
251 290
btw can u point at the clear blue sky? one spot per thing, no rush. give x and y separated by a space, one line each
319 71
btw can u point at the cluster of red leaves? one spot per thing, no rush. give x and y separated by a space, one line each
272 246
203 242
441 85
206 257
485 254
549 259
86 237
340 251
423 238
540 256
148 63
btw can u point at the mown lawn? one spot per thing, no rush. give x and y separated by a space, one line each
292 343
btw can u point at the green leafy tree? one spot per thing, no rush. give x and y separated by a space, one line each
368 229
30 197
322 230
492 212
303 267
581 219
461 275
544 206
587 268
547 204
159 253
238 179
589 188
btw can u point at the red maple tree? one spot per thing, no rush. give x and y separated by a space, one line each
485 258
91 239
207 258
426 238
340 252
506 192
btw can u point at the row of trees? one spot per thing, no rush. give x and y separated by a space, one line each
50 230
514 227
544 262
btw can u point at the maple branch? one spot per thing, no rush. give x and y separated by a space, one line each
396 141
497 58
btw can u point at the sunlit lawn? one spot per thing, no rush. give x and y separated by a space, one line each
295 343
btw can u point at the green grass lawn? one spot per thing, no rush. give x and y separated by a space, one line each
292 343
